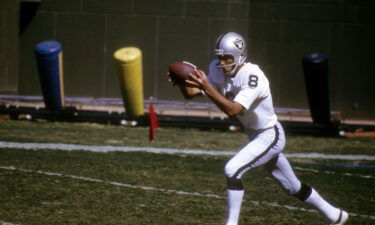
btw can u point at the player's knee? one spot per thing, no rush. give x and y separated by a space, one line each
292 189
230 169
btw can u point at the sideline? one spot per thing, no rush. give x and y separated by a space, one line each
180 192
104 149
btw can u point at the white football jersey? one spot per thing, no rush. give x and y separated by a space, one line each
250 88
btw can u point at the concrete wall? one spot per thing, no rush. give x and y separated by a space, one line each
9 46
279 33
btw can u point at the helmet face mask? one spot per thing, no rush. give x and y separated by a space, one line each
234 45
226 62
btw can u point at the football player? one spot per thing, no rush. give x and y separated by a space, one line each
241 89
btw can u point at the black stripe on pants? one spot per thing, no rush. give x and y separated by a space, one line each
248 165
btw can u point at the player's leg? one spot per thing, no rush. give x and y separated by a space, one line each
235 194
257 152
281 170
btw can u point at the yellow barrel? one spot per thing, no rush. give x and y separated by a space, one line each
129 62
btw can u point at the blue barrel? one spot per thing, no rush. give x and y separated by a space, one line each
49 62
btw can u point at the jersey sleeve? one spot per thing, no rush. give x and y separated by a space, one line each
252 87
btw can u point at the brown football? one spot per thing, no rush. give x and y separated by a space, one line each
178 72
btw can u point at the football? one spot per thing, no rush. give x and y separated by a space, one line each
178 72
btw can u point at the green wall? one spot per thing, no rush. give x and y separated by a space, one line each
279 33
9 46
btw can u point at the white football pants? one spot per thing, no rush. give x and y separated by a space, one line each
264 148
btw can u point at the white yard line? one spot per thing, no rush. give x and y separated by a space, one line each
7 223
105 149
332 172
179 192
98 148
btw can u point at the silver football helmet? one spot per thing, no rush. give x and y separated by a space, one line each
234 45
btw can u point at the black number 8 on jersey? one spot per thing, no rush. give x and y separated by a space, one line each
253 81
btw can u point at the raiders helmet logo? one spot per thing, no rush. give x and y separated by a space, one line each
238 43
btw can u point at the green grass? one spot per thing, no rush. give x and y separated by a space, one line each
29 197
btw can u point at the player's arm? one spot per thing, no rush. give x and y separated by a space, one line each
199 79
190 92
229 107
186 91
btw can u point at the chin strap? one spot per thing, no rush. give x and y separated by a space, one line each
233 71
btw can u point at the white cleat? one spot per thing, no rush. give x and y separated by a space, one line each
343 217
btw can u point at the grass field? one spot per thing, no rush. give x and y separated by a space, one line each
82 187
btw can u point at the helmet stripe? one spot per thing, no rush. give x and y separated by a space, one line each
219 40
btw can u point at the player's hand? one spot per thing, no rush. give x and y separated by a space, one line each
171 80
198 79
